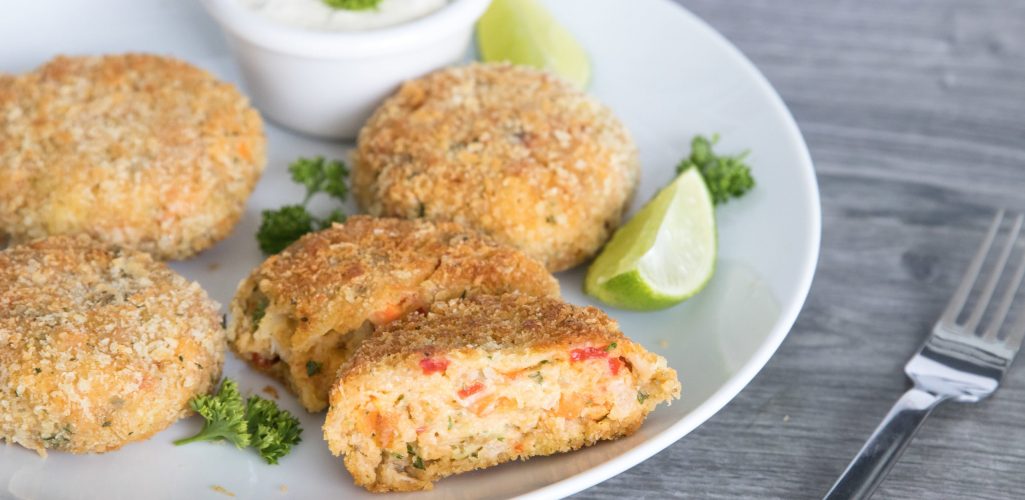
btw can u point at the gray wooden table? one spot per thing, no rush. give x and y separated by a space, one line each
914 111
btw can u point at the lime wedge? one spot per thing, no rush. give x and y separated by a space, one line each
662 256
524 32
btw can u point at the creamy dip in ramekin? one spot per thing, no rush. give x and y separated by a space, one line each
318 15
326 81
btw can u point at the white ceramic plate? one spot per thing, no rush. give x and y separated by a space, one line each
665 72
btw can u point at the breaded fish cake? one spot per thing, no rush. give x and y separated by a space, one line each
141 151
99 346
301 313
512 151
486 380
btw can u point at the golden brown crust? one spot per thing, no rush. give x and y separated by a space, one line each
329 284
138 150
488 324
98 346
486 380
511 151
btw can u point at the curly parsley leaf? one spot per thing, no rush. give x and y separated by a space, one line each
274 431
280 228
310 173
225 415
726 176
335 176
255 422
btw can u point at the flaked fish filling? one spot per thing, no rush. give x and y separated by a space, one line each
310 372
453 413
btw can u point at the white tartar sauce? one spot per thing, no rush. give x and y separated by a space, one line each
317 15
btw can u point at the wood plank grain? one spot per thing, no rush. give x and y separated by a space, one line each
914 111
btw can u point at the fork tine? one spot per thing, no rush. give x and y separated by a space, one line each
1013 340
1005 303
994 279
959 298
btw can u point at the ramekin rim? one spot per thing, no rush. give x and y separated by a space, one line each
279 37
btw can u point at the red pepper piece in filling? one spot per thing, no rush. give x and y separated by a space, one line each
587 353
474 388
614 365
433 364
262 362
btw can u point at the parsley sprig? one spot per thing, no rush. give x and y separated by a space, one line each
225 415
283 226
726 176
255 422
274 431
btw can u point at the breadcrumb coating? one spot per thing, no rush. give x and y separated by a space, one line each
486 380
99 346
512 151
142 151
301 313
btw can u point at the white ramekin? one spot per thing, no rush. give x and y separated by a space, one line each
327 83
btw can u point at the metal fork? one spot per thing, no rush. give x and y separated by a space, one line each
957 363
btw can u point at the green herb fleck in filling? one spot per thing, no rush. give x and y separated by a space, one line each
417 461
313 368
258 313
60 438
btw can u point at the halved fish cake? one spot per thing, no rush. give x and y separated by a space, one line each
302 313
481 381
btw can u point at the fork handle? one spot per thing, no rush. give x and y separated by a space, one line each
884 447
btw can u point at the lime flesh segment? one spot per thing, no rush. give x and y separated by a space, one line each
524 32
664 255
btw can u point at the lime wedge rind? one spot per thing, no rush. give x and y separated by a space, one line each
664 255
524 32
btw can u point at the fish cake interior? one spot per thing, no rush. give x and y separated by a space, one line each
519 377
